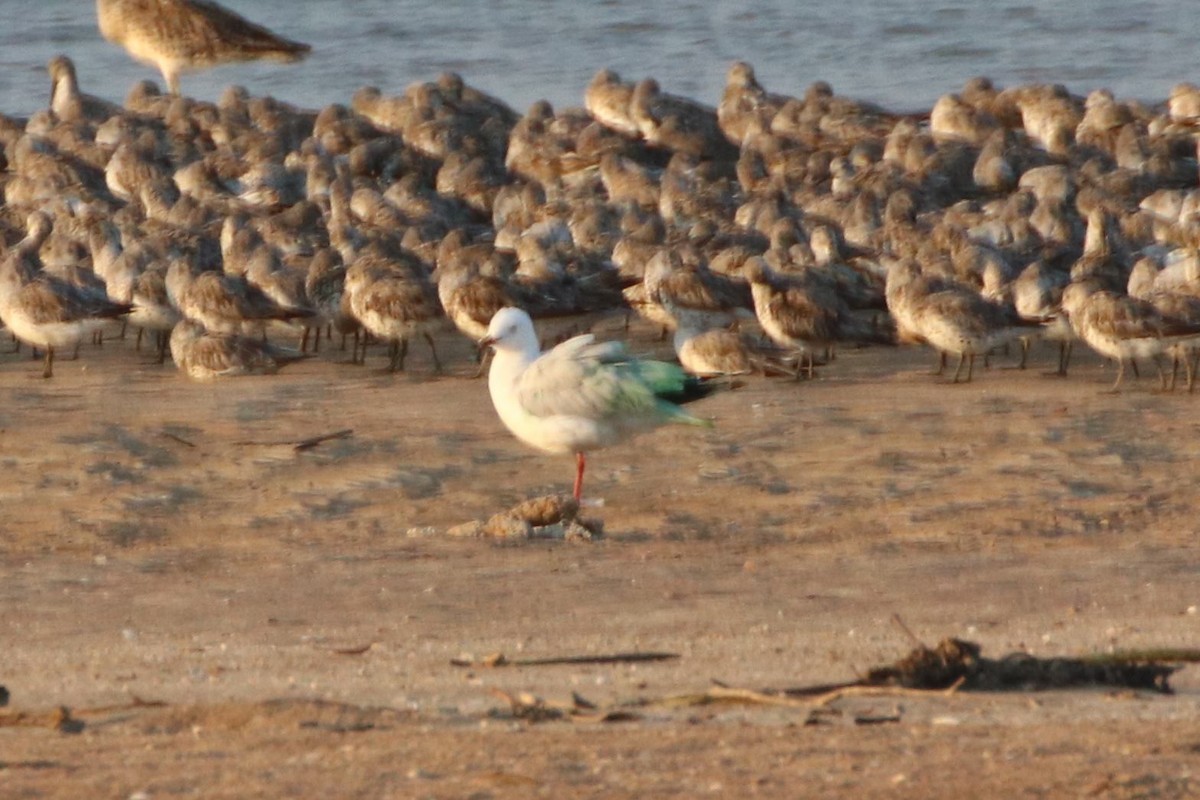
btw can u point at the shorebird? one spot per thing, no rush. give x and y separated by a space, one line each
394 299
744 102
223 303
581 395
949 317
177 36
692 295
71 105
677 123
325 285
202 355
1036 294
608 99
43 310
1180 303
800 311
1123 328
709 353
469 289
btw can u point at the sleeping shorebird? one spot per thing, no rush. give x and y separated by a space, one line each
607 99
202 355
179 36
719 351
743 102
68 103
677 123
43 310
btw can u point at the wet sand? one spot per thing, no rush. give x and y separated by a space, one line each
297 611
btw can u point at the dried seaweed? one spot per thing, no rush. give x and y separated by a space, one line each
954 665
956 660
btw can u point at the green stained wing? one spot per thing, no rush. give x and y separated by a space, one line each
601 381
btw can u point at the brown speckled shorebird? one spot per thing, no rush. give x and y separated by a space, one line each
203 355
179 36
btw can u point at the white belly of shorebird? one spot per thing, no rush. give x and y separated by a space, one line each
52 334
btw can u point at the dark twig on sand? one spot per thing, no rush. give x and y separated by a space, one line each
300 445
500 660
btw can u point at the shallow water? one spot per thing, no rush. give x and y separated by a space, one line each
901 53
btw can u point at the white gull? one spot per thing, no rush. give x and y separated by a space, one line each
581 395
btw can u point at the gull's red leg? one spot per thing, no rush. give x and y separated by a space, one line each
579 465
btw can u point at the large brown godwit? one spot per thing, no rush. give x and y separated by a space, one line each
179 36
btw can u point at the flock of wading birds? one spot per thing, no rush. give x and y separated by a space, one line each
763 231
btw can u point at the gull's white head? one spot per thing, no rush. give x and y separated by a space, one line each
511 330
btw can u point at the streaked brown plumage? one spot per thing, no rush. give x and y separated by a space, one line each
44 310
202 355
394 300
179 36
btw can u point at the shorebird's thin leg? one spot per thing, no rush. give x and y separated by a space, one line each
1136 373
162 341
971 366
1162 376
1064 356
317 339
1190 365
1024 352
580 463
137 340
941 363
958 370
485 357
75 353
48 372
398 351
437 364
1174 369
304 340
1120 374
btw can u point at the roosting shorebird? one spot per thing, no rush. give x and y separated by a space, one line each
179 36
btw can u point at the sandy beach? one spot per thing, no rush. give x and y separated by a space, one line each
225 615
